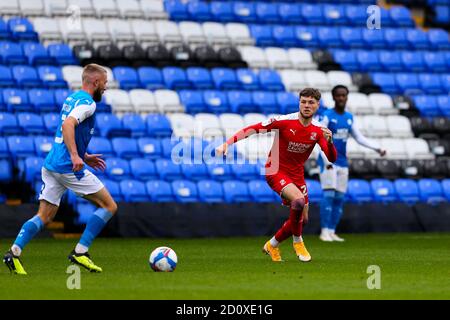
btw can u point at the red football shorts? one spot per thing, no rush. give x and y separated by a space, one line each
280 180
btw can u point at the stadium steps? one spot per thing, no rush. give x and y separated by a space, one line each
61 235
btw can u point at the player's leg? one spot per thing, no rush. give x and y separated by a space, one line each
328 180
338 202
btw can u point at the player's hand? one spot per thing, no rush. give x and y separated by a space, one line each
329 166
77 163
222 150
327 134
382 152
95 162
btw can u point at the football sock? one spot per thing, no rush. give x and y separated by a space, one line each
274 242
295 216
284 232
93 227
28 231
326 208
297 239
338 205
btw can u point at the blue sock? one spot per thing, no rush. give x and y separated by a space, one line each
338 206
94 226
28 231
326 207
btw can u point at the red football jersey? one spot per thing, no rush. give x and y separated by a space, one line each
292 145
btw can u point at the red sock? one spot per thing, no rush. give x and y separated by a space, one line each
284 232
296 217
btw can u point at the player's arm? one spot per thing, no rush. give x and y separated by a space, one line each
327 145
324 123
357 135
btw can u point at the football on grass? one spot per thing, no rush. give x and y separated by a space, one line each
163 259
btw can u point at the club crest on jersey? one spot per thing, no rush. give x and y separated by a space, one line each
282 182
92 131
313 136
293 131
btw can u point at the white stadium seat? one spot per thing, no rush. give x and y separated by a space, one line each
358 103
215 33
399 126
119 100
253 118
72 30
395 148
168 31
359 123
293 80
207 126
153 9
32 7
96 30
239 34
418 149
183 125
255 57
120 30
327 99
317 79
354 150
278 58
55 7
192 32
112 83
168 101
301 58
106 8
382 104
85 7
143 101
341 77
130 9
376 126
72 74
144 31
48 29
231 123
10 7
369 153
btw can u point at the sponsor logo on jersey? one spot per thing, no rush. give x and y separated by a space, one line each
298 147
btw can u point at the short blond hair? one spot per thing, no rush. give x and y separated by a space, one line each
90 69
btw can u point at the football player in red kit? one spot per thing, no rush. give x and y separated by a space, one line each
295 138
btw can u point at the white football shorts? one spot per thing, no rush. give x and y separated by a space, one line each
335 178
55 184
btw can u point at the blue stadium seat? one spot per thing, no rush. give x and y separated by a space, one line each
248 79
135 124
263 34
143 169
133 191
168 170
267 12
32 169
270 80
245 171
312 14
351 37
224 79
284 36
190 150
390 60
43 100
114 189
430 84
2 103
199 78
52 77
216 101
334 14
245 11
359 191
43 145
445 81
210 191
37 54
117 169
150 148
383 190
185 191
266 101
62 54
6 77
444 105
236 191
427 105
126 148
127 78
51 122
222 11
99 145
194 171
396 38
167 144
220 171
307 36
193 101
241 102
430 191
158 125
22 29
329 37
287 101
17 100
31 123
5 171
261 192
60 96
199 11
11 53
4 32
401 16
413 61
177 9
417 38
368 61
26 77
4 152
435 61
314 191
85 211
408 83
347 59
374 38
356 14
446 188
386 81
151 78
8 124
175 78
439 39
110 126
407 190
20 146
290 13
159 191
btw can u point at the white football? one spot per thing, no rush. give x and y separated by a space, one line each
163 259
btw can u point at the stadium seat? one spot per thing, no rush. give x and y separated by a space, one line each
390 60
175 78
427 105
125 148
42 100
446 188
176 9
241 102
150 148
8 124
407 190
287 101
220 171
413 61
216 101
284 36
168 170
51 122
31 123
374 38
22 29
192 100
329 37
430 84
32 169
439 39
110 126
26 77
12 54
143 169
334 14
236 191
199 78
383 190
248 79
168 101
444 105
6 174
261 192
194 171
347 59
114 189
270 80
430 191
6 78
239 34
127 77
133 191
20 147
37 54
359 191
314 191
199 11
222 11
51 77
245 171
263 34
185 191
158 125
16 100
99 145
159 191
401 16
135 124
266 101
290 13
210 191
435 61
151 78
417 39
117 169
4 152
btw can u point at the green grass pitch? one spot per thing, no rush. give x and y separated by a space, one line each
413 266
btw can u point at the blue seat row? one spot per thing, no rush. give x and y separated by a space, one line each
265 12
197 78
17 29
24 76
35 54
432 106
